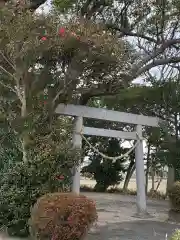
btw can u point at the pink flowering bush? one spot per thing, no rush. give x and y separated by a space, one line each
63 216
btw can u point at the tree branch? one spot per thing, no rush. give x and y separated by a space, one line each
17 91
157 63
8 61
127 32
7 72
7 86
138 69
130 33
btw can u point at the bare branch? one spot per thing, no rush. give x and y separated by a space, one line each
130 33
7 72
157 63
7 60
138 69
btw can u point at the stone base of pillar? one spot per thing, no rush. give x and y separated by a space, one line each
143 215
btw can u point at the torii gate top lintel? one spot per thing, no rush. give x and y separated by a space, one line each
109 115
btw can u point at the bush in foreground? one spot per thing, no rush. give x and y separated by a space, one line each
175 235
23 184
64 216
174 196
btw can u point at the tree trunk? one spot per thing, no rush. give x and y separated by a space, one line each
170 178
159 182
176 170
24 137
129 174
153 178
128 177
147 166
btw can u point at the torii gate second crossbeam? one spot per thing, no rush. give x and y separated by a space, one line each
103 114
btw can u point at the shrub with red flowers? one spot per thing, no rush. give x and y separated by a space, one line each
62 216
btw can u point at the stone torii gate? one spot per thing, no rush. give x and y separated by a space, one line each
79 112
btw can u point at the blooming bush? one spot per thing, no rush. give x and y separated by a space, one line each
64 216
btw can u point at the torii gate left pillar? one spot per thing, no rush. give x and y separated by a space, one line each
77 144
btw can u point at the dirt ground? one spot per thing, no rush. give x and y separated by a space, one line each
132 184
117 219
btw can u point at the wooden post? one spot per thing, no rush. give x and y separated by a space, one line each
77 143
140 174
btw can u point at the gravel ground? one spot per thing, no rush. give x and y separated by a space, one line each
116 219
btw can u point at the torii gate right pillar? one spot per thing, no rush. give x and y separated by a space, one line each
140 175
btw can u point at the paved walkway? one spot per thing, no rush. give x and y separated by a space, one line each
117 222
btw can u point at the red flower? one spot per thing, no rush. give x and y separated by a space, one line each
62 31
60 177
44 38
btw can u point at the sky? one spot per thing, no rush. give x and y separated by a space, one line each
45 7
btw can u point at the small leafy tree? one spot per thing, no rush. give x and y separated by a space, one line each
105 171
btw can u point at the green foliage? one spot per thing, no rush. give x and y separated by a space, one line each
62 216
64 5
174 196
23 183
175 235
160 99
105 171
9 147
47 169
